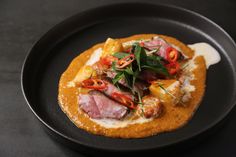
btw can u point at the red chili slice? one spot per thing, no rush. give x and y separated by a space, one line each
125 61
171 54
108 60
173 68
94 84
123 99
141 44
128 50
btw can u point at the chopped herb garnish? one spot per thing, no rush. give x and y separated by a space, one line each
155 63
113 66
120 55
164 89
140 54
140 103
118 77
128 79
185 66
135 75
129 70
158 70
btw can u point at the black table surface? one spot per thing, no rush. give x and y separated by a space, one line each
22 22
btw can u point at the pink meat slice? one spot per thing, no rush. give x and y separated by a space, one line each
113 89
158 43
98 106
88 105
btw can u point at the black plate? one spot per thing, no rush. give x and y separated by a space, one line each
51 55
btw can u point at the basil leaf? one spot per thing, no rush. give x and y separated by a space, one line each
113 66
120 55
155 64
140 54
128 80
161 70
129 70
154 61
135 74
118 77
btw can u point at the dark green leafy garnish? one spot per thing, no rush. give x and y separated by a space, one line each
118 77
129 71
155 64
135 75
140 54
142 61
120 55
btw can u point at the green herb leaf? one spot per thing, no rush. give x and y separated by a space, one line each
120 55
135 74
140 103
128 79
159 70
165 90
140 54
129 70
153 61
113 66
118 77
155 64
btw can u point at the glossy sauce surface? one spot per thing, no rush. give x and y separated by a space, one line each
172 118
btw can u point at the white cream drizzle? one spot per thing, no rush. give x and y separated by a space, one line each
113 123
210 54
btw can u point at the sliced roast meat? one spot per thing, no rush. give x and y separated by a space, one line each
98 106
162 46
88 105
158 43
108 107
111 89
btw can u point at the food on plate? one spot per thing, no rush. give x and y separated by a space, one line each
137 86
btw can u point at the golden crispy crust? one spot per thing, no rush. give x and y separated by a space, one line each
173 118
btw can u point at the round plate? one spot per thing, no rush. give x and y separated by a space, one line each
51 55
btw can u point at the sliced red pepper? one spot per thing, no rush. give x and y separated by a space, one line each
108 60
94 84
141 44
173 68
128 50
124 99
171 54
125 61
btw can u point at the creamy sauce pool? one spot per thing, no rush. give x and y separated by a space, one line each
112 123
210 54
173 118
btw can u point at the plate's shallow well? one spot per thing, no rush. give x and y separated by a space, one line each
51 55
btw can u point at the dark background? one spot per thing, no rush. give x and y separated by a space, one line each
22 22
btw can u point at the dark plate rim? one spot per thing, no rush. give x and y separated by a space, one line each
218 120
